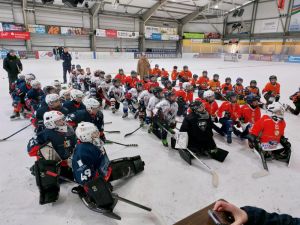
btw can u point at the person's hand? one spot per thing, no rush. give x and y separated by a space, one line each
240 216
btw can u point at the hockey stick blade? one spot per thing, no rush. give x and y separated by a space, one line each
126 135
112 131
132 203
260 174
108 123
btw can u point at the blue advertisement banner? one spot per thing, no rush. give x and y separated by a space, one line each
293 59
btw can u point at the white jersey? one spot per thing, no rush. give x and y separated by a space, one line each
153 101
169 110
96 81
116 92
145 97
134 93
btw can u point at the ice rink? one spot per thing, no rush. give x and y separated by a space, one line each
169 185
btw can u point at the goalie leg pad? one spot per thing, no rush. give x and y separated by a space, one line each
47 176
126 167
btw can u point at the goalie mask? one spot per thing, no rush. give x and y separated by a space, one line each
55 120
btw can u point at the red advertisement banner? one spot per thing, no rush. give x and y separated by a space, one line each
15 35
111 33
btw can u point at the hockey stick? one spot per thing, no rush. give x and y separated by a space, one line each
112 131
4 139
215 180
126 145
126 135
264 172
108 123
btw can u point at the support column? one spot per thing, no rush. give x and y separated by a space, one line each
24 11
142 36
93 24
180 41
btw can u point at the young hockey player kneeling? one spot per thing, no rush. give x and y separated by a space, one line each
164 116
198 125
53 147
93 170
76 101
267 135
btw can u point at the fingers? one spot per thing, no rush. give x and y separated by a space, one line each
220 206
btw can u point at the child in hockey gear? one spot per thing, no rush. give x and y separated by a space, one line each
156 71
268 132
153 80
239 90
57 86
81 80
87 79
164 116
296 100
91 114
34 96
131 80
93 170
250 114
194 81
64 96
102 93
202 83
164 75
153 101
185 75
52 103
96 80
116 94
184 97
143 100
19 96
131 100
199 125
168 86
228 113
215 86
174 75
76 101
227 86
17 83
252 89
271 91
121 76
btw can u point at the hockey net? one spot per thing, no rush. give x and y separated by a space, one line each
231 57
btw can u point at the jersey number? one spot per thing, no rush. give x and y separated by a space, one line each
86 174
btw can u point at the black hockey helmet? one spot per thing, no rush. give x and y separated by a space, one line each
170 96
196 106
116 82
273 77
133 72
251 98
121 70
139 85
156 65
175 67
156 92
204 72
230 95
253 82
227 79
239 79
195 76
49 90
167 83
216 76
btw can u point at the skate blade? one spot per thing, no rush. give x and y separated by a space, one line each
260 174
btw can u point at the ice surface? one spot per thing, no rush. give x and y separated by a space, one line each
168 185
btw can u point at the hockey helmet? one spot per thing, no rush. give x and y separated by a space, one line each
54 119
76 94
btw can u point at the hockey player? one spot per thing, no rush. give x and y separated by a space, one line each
116 95
238 88
76 101
143 100
164 116
267 134
184 96
271 91
174 75
102 92
19 96
93 170
168 86
81 80
229 113
227 86
52 103
203 83
121 76
252 89
153 101
164 76
185 75
250 113
87 79
215 86
57 86
153 80
97 79
53 146
296 100
131 100
193 81
91 114
156 71
131 80
34 96
65 95
17 83
198 126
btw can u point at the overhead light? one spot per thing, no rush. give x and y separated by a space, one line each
115 4
216 6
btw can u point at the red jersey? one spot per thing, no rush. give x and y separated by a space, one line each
275 89
226 88
121 77
268 130
252 90
233 108
249 114
203 82
186 75
174 74
238 89
193 82
164 73
215 86
189 96
182 94
131 81
156 72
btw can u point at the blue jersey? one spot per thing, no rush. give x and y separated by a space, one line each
35 95
73 106
89 161
84 116
62 143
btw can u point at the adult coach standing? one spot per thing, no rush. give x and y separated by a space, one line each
143 66
13 67
67 58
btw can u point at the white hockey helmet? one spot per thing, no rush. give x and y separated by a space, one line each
35 84
63 93
208 94
51 117
56 84
29 77
21 76
87 132
186 86
277 110
91 103
50 98
76 94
